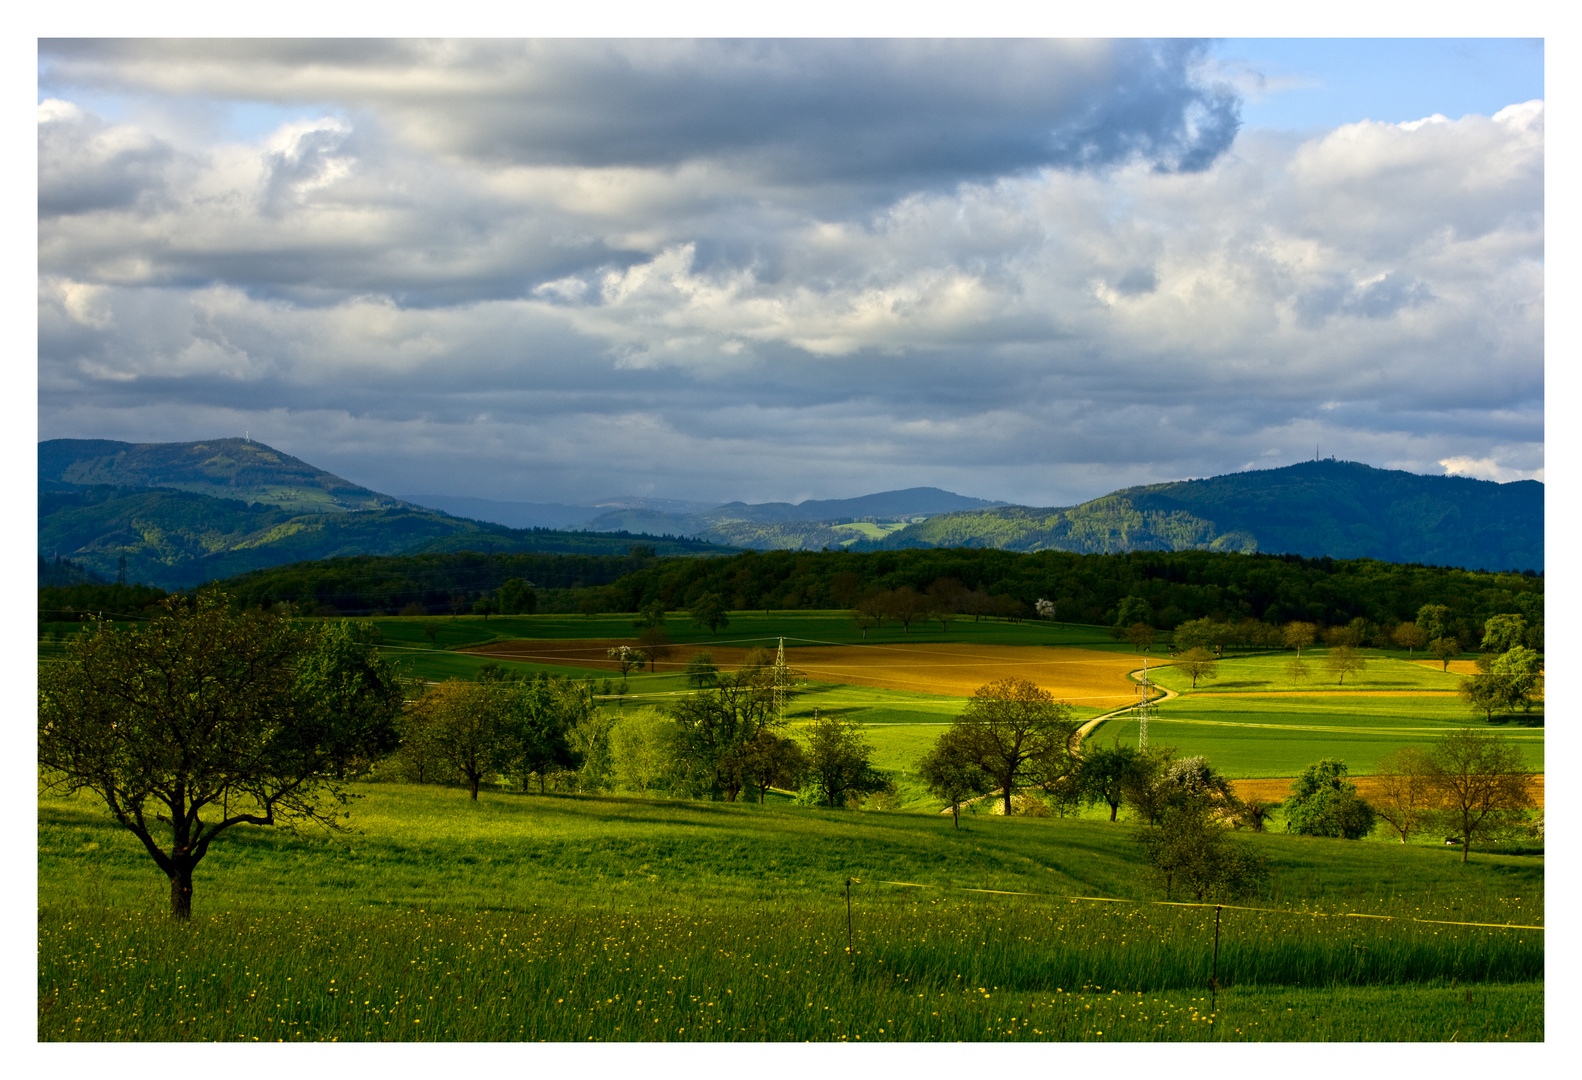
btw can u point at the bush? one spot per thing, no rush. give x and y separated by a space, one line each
1324 803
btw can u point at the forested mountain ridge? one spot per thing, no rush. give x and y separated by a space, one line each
1342 509
223 468
811 524
177 539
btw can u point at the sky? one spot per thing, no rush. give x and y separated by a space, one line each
1027 270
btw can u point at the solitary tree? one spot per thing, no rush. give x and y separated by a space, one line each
906 606
1402 778
953 774
1444 648
708 612
1198 663
466 722
1187 841
1198 634
1410 637
1141 635
1505 682
1481 784
1324 802
701 670
1018 733
1103 773
772 760
839 760
1190 848
354 693
626 658
200 720
1298 635
1344 660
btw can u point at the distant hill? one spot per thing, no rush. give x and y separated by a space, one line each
223 468
813 524
515 515
181 514
1342 509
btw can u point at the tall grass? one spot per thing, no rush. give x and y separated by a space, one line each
578 917
976 971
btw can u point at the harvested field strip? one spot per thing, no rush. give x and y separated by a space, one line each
1337 729
1275 788
1329 695
1081 676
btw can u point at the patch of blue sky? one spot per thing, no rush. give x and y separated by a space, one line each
1304 84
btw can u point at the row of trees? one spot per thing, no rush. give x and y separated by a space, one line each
211 716
1165 589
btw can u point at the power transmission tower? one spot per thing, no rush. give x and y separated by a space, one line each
780 677
1145 707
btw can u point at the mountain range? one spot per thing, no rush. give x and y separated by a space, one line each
180 514
183 513
1342 509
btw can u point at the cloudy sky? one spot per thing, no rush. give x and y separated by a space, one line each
774 270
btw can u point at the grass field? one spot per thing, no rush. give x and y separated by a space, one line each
523 917
1250 736
746 630
613 918
1268 673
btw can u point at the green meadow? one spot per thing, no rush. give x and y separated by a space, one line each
582 917
746 630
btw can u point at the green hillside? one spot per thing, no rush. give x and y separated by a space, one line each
177 539
1337 508
223 468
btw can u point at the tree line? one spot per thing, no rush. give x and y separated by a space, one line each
1160 589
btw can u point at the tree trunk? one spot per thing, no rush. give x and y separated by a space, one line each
1466 842
474 780
1007 800
181 894
955 813
1114 806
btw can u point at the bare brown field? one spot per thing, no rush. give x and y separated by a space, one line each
1325 693
1080 676
1274 790
1457 667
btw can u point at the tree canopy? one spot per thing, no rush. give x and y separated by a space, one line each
206 718
1017 733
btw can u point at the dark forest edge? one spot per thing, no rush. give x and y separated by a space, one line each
1159 589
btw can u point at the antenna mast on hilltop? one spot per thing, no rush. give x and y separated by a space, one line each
1145 706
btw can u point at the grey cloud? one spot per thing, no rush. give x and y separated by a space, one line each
86 165
1137 282
1377 299
886 112
713 330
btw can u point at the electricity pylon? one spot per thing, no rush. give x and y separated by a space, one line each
780 680
1145 707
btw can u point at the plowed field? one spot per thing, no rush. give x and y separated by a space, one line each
1080 676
